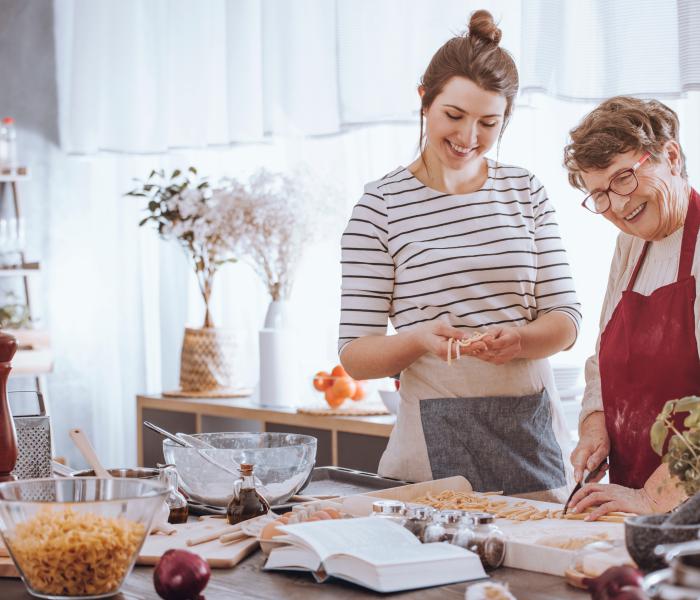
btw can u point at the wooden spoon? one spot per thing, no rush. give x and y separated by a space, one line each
83 444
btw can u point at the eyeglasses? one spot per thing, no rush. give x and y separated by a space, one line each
623 184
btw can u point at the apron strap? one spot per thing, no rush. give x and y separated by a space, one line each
638 266
690 235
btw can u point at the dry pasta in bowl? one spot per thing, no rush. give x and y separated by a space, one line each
83 542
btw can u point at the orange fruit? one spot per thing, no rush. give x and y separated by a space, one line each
333 400
344 387
338 371
360 391
322 381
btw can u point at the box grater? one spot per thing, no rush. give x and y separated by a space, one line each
33 429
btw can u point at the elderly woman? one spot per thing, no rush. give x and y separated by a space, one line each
625 155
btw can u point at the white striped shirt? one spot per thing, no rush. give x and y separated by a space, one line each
413 254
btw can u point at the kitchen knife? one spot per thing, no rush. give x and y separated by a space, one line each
586 479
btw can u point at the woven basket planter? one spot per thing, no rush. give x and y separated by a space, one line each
208 360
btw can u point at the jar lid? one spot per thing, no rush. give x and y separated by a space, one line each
388 507
482 518
451 516
423 513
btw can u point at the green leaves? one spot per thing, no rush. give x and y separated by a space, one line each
658 436
683 453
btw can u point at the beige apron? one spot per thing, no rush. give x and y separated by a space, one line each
500 426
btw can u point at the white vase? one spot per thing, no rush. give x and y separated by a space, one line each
277 363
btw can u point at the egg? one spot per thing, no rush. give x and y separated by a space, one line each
321 515
271 530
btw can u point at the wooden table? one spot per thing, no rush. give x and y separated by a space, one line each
248 580
342 440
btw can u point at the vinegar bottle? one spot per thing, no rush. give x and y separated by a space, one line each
247 502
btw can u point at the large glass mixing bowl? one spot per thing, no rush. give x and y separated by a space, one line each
282 464
76 537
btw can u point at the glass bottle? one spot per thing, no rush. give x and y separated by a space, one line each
418 518
247 502
177 504
392 510
8 145
484 539
446 524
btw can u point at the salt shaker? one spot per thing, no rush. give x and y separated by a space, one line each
393 510
446 524
484 539
417 519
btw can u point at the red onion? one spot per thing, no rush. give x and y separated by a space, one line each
616 583
181 575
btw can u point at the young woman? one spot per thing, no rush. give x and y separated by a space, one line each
453 245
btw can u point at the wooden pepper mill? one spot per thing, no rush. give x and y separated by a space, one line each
8 438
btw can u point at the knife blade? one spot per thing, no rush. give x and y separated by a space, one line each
584 480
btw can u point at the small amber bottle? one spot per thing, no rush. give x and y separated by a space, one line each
247 502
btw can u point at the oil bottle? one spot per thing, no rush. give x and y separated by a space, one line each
247 502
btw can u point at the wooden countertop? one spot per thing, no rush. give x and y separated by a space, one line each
247 580
248 408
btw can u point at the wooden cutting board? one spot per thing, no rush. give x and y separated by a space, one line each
218 555
523 550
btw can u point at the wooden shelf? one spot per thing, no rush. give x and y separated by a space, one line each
32 362
18 174
20 270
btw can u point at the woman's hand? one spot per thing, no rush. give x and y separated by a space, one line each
610 498
499 346
593 447
432 337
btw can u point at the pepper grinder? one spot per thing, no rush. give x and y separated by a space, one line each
8 438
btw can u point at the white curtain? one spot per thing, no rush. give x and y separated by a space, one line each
596 49
230 86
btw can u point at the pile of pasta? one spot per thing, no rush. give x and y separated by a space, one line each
514 511
66 553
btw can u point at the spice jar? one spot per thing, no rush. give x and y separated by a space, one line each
417 519
393 510
177 503
484 539
446 524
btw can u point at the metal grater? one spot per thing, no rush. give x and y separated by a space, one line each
33 429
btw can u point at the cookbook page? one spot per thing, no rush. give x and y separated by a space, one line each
369 538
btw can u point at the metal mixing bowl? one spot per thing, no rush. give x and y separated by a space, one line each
282 464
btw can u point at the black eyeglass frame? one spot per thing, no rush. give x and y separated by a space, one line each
631 171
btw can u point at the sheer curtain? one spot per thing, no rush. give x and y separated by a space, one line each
230 86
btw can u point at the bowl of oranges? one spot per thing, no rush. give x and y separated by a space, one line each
337 386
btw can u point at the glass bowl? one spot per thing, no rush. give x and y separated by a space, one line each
77 537
282 464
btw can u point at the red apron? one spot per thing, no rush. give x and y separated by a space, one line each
648 355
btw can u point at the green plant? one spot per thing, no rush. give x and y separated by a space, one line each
13 314
683 452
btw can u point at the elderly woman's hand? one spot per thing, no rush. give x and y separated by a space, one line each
610 498
593 447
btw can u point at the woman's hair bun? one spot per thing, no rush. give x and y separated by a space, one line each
482 26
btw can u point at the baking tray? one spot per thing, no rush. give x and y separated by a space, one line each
324 481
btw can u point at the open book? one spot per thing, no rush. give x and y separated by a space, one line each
375 553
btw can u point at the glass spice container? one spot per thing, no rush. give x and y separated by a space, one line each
484 539
393 510
446 524
177 503
247 502
417 519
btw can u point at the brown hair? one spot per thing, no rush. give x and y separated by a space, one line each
618 125
476 56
